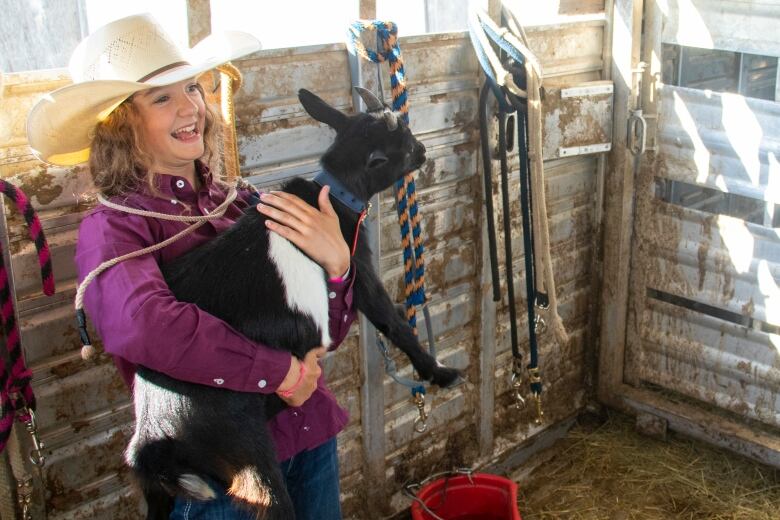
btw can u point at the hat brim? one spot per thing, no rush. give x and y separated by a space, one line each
60 125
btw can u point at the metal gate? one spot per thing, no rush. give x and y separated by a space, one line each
701 295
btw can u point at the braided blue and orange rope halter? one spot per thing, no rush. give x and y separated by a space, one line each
406 194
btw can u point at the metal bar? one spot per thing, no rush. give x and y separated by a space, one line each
777 82
372 397
521 460
741 73
367 9
596 268
487 350
198 20
82 12
647 101
494 10
702 425
618 204
679 65
594 90
585 149
487 328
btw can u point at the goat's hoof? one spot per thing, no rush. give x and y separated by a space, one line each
446 377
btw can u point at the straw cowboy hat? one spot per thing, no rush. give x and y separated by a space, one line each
107 67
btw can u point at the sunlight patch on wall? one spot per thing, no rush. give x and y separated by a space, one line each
691 29
701 154
738 241
744 133
768 287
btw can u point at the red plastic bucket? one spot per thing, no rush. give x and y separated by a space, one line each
482 497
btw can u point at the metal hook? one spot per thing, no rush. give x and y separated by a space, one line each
535 378
540 326
517 385
420 423
539 411
36 454
24 493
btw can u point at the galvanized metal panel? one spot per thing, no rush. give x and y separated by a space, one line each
722 141
736 25
723 364
569 49
717 260
704 288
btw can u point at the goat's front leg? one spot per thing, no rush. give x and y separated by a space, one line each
373 301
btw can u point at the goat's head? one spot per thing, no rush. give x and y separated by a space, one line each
372 150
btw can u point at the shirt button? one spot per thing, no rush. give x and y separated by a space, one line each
295 414
174 201
306 428
219 381
180 183
262 383
331 295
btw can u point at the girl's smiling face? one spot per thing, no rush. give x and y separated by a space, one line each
173 118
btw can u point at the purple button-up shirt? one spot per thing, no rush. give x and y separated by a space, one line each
141 322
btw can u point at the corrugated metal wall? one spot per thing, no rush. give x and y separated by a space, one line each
704 301
85 411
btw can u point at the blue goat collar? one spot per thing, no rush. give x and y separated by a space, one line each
340 192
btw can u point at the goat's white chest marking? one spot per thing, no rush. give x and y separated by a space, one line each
304 282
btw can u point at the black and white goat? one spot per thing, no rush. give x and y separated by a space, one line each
189 435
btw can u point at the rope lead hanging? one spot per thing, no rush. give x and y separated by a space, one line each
406 192
16 393
409 217
516 83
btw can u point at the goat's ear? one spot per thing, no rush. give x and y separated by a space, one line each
375 159
321 111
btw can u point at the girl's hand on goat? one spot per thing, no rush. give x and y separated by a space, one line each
302 382
314 231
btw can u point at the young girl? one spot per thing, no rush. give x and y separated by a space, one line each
138 115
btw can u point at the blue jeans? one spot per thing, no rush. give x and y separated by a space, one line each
312 481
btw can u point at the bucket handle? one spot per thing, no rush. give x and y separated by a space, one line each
412 488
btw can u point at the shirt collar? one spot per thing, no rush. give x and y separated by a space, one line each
178 187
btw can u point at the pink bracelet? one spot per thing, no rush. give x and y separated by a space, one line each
339 279
290 391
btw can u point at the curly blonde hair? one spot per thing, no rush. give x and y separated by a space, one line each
119 164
